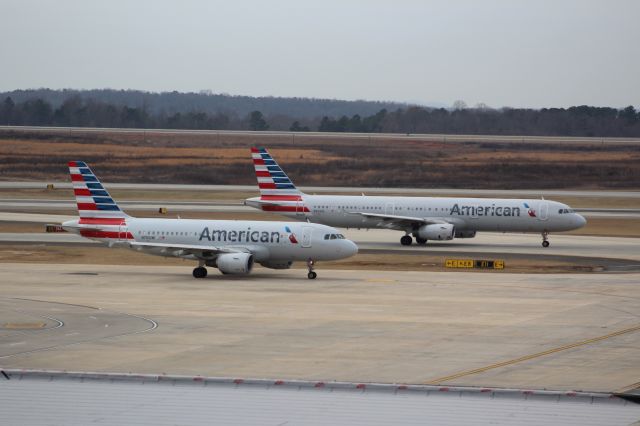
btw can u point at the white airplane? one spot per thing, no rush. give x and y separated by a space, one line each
426 218
232 246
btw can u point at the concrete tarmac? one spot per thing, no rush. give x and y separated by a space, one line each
483 245
563 331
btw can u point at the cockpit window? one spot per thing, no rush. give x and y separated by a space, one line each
334 236
340 237
326 236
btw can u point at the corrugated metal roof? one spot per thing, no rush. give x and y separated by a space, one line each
39 398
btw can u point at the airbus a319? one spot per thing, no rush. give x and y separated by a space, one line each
232 246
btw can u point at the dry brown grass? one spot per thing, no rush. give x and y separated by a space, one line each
321 161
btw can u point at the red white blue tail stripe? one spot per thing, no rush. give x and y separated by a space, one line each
277 191
95 206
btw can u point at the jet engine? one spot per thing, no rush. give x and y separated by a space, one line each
235 263
444 231
277 265
465 234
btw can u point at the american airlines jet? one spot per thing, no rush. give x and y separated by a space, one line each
232 246
426 218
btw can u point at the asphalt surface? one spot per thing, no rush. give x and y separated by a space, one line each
39 205
542 331
519 193
447 138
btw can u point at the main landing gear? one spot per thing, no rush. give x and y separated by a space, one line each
311 275
545 239
200 272
406 240
421 241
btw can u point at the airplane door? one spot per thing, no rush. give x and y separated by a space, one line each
122 232
544 211
300 208
389 209
306 236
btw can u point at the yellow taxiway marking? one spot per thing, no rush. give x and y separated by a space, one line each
628 388
23 325
532 356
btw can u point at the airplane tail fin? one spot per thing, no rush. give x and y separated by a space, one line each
272 180
95 205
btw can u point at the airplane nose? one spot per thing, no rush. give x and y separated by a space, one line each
580 221
351 248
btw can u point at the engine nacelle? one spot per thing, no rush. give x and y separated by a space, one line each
277 265
444 231
465 234
235 263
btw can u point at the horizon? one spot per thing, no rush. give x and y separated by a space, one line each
208 92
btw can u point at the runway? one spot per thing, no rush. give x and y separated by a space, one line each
545 331
515 193
212 206
484 245
445 138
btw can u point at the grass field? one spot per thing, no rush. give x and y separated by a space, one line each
330 161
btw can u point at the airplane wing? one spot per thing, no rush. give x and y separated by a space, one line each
400 222
184 250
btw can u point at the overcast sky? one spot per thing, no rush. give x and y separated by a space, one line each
500 52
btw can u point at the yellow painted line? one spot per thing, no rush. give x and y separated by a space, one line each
23 325
532 356
628 388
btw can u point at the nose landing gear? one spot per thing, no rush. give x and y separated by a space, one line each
311 275
545 239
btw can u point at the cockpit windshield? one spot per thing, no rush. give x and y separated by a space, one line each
333 237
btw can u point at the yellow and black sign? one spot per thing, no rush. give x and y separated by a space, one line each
471 264
54 228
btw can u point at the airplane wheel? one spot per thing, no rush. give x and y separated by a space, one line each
545 244
421 241
406 240
200 272
312 275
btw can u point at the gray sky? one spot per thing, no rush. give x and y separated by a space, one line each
501 52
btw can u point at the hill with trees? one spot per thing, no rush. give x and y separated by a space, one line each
136 109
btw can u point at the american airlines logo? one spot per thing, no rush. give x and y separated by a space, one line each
246 236
491 210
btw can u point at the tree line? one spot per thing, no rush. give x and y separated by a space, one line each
583 120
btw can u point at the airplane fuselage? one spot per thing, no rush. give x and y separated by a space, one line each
268 241
467 214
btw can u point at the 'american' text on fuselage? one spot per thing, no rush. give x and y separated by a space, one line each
484 210
240 236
